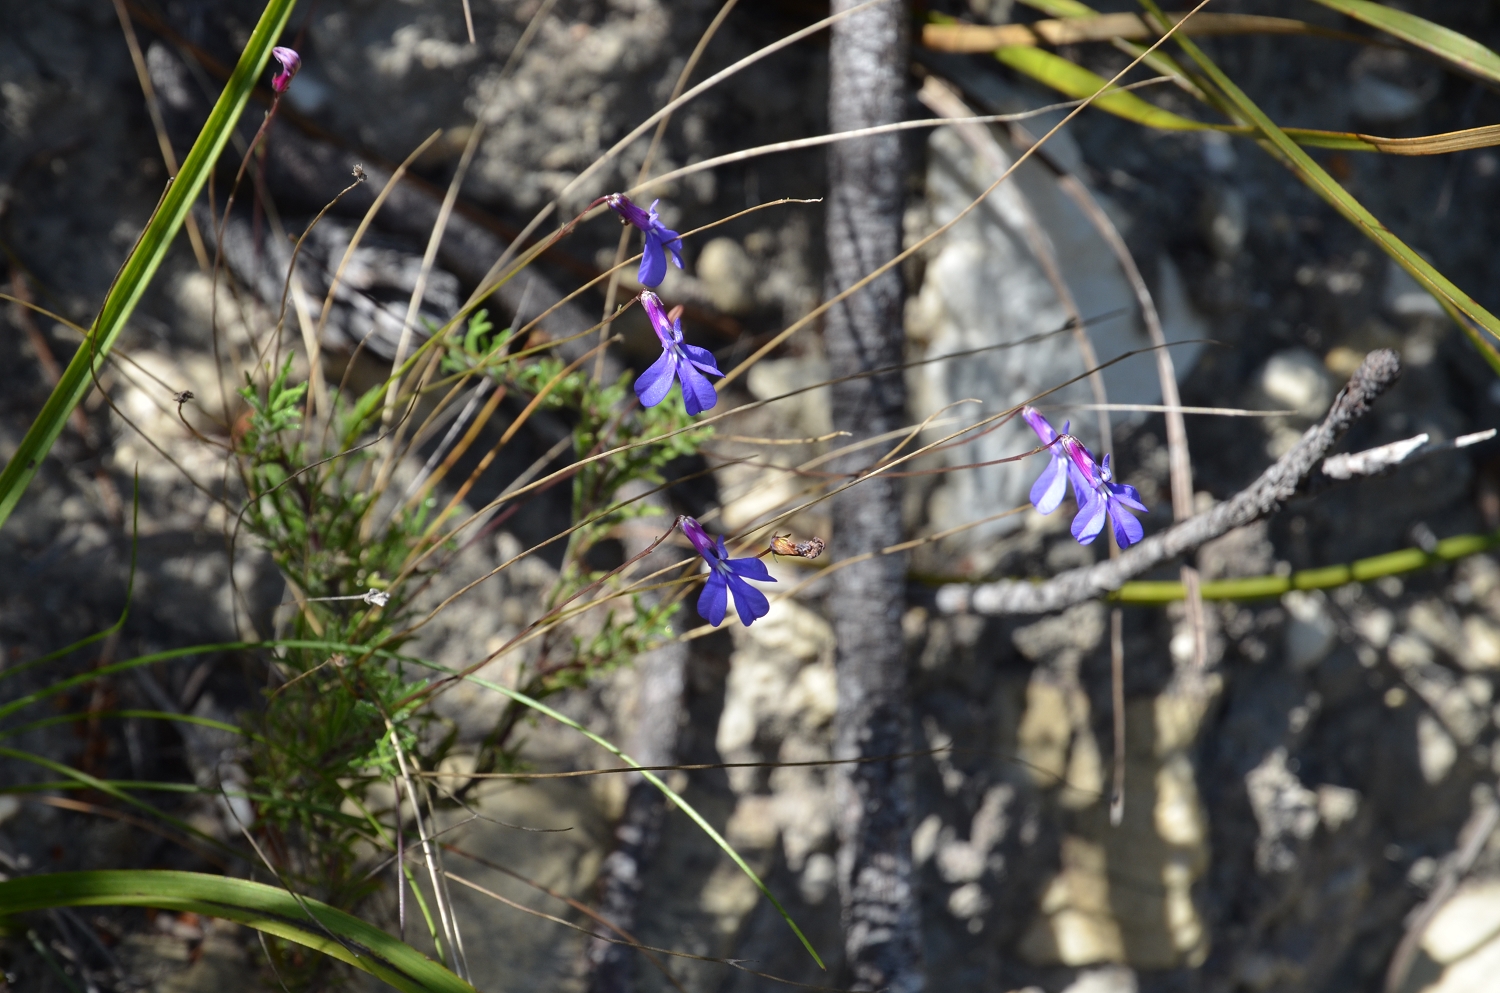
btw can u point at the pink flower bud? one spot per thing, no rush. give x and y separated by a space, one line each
290 63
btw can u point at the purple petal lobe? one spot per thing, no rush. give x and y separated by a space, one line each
1128 530
698 393
653 262
702 358
1129 496
1047 492
1039 424
1090 520
714 599
749 601
751 568
655 383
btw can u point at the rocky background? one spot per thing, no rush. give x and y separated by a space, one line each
1286 808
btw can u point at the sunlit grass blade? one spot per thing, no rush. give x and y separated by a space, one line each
1453 299
1071 79
1447 44
956 37
256 905
1152 593
144 259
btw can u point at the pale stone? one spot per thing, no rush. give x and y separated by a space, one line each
1481 639
817 877
1107 979
1436 751
1337 805
1295 379
968 901
1474 974
1076 926
924 839
1310 631
809 411
1376 626
1470 920
753 823
963 861
1045 730
728 275
1178 813
1284 809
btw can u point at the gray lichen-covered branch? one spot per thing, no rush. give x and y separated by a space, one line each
1266 495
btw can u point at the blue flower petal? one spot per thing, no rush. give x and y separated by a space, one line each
1090 519
749 601
653 385
1128 530
1048 490
653 262
698 393
702 358
714 599
1129 496
751 568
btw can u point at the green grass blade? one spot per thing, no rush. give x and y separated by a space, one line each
1153 593
1445 43
1072 80
78 379
1318 179
1061 8
266 908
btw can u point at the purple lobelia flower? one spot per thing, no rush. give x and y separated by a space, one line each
727 575
290 63
660 239
678 358
1047 492
1104 496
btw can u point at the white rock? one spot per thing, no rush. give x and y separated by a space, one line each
1310 633
728 275
1470 920
1436 751
1337 805
1295 379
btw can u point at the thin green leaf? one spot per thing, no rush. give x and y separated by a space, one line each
1072 80
1157 593
1445 43
1318 179
134 276
265 908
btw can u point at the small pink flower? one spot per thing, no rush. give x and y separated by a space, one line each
290 63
